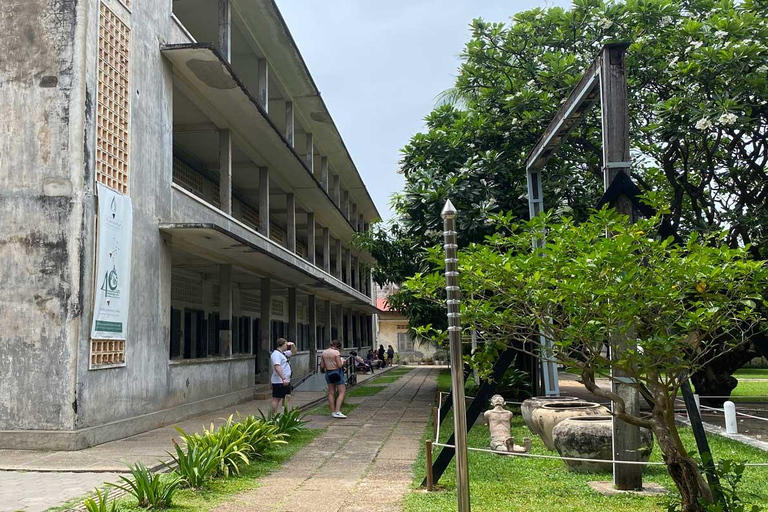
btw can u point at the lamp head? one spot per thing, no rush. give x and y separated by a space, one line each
449 211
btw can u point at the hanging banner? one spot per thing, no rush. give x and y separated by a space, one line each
113 265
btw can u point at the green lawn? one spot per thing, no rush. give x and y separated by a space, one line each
519 484
364 390
386 379
324 410
752 373
218 491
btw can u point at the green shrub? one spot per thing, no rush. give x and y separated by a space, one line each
261 434
289 422
151 490
228 443
101 503
196 464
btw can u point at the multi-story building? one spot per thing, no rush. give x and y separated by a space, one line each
174 196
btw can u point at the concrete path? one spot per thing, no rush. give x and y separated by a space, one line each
362 463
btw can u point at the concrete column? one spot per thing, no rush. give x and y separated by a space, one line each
265 330
225 171
361 225
264 201
339 258
327 250
350 342
324 172
356 273
310 158
311 237
290 127
292 318
327 321
348 258
341 325
263 96
353 215
345 203
312 313
290 203
337 190
225 30
225 309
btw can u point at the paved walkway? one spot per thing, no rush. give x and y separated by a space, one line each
66 475
362 463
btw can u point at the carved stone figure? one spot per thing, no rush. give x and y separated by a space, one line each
498 420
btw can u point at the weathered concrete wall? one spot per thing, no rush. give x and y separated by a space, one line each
388 330
41 205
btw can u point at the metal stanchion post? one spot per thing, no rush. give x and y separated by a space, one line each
430 483
457 362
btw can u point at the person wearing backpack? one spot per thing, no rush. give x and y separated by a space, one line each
281 374
333 365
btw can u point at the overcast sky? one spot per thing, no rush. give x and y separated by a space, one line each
380 65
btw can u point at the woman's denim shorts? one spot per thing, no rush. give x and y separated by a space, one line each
337 372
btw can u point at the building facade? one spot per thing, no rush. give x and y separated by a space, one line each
198 124
393 328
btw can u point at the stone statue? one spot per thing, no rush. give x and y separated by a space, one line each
498 420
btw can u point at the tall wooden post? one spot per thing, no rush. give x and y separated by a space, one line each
616 159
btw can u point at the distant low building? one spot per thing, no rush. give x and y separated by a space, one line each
394 329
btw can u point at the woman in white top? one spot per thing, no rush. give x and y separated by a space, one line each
333 365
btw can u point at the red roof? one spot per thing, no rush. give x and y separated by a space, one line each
382 305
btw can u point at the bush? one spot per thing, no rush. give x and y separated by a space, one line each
151 490
227 442
196 464
101 503
290 422
261 434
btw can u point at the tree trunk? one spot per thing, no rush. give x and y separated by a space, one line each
680 466
716 377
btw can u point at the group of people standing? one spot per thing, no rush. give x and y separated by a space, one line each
331 363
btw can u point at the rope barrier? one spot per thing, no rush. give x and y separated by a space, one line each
577 459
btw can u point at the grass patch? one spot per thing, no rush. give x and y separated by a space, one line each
386 379
751 389
219 491
402 370
325 410
364 390
751 373
444 381
520 484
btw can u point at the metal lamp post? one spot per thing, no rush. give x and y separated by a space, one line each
457 365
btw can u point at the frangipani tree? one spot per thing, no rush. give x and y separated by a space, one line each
685 305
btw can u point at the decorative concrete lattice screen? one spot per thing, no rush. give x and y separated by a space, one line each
278 308
112 102
250 217
216 199
107 353
216 290
187 178
251 301
185 289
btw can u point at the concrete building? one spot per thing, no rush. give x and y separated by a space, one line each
243 204
392 328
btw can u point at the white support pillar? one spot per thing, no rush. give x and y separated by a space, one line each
336 190
263 96
356 274
264 201
345 203
312 313
225 171
310 158
361 225
311 237
353 215
290 203
327 250
265 330
348 263
339 257
225 30
292 316
225 310
324 172
350 341
327 321
290 126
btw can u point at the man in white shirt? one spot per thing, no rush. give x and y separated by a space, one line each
281 374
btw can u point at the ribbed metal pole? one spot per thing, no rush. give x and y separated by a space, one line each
457 364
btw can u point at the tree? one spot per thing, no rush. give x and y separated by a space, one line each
698 86
684 304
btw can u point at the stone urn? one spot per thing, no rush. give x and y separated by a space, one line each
526 409
590 437
549 415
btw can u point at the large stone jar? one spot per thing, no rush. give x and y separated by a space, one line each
590 437
548 416
528 406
